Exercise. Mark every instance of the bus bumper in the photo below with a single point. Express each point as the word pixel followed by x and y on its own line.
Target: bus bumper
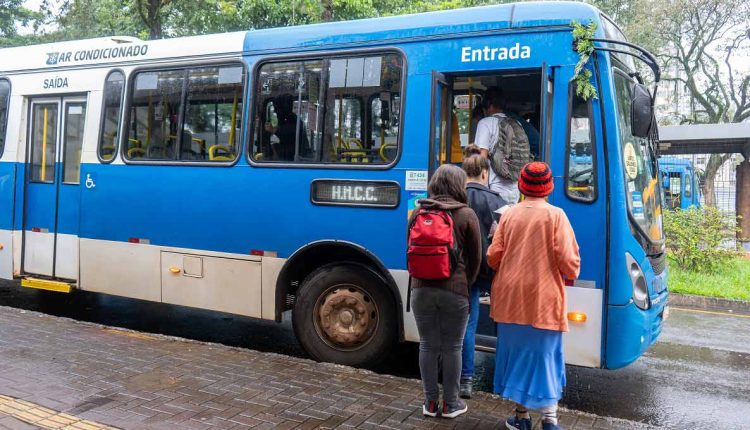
pixel 631 330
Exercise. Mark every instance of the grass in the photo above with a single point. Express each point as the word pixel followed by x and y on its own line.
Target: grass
pixel 731 282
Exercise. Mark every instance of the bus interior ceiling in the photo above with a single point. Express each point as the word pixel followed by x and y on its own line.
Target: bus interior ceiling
pixel 521 92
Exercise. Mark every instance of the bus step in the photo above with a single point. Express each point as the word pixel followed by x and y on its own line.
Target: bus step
pixel 47 284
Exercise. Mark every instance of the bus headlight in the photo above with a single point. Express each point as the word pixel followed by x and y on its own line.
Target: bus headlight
pixel 638 280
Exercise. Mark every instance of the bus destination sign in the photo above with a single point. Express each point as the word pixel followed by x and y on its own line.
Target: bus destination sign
pixel 355 193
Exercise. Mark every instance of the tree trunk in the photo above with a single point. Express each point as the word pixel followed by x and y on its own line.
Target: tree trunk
pixel 712 168
pixel 151 16
pixel 327 14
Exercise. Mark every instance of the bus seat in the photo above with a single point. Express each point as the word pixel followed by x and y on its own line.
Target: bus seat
pixel 136 152
pixel 107 151
pixel 225 153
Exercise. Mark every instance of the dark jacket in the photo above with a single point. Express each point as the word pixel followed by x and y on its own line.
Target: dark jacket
pixel 484 202
pixel 468 242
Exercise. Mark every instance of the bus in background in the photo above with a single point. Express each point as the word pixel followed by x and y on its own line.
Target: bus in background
pixel 679 182
pixel 268 171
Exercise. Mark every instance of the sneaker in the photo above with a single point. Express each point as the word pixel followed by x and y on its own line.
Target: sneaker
pixel 430 408
pixel 515 423
pixel 550 426
pixel 454 411
pixel 465 389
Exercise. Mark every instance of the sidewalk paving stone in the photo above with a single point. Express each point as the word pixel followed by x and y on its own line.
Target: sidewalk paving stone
pixel 132 380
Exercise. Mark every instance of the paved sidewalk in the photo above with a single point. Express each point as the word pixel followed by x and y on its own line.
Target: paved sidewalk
pixel 101 376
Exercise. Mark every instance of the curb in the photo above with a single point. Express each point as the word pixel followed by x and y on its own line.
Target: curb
pixel 709 303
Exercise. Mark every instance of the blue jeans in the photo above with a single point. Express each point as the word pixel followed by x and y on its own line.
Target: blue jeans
pixel 467 354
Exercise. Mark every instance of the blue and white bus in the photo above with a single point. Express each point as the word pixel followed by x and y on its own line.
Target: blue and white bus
pixel 680 183
pixel 268 171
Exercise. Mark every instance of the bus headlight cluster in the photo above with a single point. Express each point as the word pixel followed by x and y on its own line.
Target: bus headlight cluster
pixel 638 280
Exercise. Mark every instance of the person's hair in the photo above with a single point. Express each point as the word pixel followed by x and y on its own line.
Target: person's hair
pixel 448 180
pixel 478 111
pixel 493 97
pixel 284 104
pixel 474 162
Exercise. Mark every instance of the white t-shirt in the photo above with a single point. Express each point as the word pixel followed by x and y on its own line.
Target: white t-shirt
pixel 486 138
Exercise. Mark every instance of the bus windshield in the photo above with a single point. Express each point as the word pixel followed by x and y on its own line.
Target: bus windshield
pixel 641 175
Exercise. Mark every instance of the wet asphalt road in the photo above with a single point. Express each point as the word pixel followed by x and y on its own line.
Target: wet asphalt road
pixel 697 376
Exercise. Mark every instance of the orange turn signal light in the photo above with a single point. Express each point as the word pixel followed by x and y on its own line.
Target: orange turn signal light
pixel 578 317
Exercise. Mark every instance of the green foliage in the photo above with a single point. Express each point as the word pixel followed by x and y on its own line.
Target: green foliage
pixel 584 46
pixel 730 280
pixel 695 238
pixel 79 19
pixel 12 12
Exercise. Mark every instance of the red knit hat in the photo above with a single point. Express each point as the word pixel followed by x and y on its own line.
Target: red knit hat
pixel 536 180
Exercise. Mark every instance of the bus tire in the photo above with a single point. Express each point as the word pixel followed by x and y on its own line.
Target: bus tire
pixel 344 314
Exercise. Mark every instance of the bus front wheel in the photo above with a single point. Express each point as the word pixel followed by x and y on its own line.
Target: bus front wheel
pixel 344 314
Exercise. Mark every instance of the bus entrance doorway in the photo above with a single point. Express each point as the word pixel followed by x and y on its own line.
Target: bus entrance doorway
pixel 457 110
pixel 52 187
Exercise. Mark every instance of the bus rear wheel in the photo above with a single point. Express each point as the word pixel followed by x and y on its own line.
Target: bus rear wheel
pixel 344 314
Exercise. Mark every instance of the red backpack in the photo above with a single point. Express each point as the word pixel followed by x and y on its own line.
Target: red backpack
pixel 431 252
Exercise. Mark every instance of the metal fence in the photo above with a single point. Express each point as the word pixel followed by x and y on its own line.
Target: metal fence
pixel 725 185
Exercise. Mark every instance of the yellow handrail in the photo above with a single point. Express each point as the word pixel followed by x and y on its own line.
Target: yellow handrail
pixel 471 107
pixel 44 146
pixel 234 120
pixel 382 151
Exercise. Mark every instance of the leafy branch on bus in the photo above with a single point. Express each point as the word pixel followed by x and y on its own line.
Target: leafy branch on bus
pixel 584 46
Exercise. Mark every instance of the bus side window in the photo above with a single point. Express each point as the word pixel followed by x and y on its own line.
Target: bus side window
pixel 114 86
pixel 213 114
pixel 288 111
pixel 188 114
pixel 4 103
pixel 154 111
pixel 345 110
pixel 580 182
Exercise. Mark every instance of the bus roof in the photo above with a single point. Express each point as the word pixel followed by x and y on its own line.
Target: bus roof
pixel 423 25
pixel 670 162
pixel 110 51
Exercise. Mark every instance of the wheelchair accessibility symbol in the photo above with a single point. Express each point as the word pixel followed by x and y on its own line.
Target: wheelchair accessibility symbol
pixel 89 182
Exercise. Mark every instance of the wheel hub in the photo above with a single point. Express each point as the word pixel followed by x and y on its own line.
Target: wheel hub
pixel 347 317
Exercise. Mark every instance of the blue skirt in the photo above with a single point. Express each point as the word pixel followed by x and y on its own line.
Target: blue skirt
pixel 529 365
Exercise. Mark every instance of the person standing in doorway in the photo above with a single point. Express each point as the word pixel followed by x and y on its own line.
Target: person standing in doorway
pixel 440 285
pixel 533 251
pixel 504 142
pixel 484 202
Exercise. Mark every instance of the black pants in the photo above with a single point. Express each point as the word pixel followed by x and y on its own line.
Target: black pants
pixel 441 320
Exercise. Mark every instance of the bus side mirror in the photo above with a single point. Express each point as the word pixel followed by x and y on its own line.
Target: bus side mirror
pixel 641 111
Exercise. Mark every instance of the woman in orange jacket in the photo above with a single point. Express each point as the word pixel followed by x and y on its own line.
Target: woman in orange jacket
pixel 533 251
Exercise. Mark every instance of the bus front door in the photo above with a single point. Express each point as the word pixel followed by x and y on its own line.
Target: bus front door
pixel 52 188
pixel 440 116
